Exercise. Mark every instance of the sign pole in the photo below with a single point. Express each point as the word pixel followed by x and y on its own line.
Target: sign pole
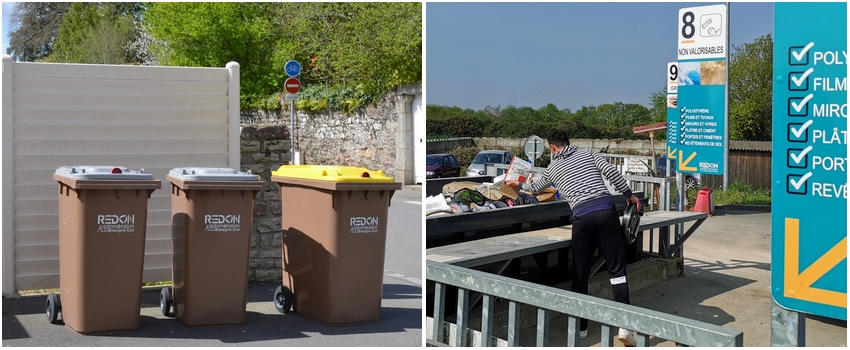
pixel 292 85
pixel 726 124
pixel 292 133
pixel 787 328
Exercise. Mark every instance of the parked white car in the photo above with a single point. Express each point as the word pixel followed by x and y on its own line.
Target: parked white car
pixel 488 157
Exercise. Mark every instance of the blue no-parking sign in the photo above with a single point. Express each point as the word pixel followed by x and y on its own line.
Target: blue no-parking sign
pixel 809 196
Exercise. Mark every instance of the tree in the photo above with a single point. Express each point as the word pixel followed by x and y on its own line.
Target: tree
pixel 751 90
pixel 351 53
pixel 35 25
pixel 211 34
pixel 94 33
pixel 355 52
pixel 658 111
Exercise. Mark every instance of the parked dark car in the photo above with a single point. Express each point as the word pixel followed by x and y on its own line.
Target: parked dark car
pixel 691 180
pixel 441 165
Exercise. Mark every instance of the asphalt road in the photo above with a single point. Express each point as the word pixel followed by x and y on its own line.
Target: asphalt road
pixel 25 323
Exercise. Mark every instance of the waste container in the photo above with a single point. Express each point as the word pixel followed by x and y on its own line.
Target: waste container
pixel 102 218
pixel 334 237
pixel 211 215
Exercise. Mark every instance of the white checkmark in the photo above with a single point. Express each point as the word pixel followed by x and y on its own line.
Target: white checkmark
pixel 802 77
pixel 802 180
pixel 798 107
pixel 799 56
pixel 799 132
pixel 799 157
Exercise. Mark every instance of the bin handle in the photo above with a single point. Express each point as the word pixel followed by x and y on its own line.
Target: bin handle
pixel 365 174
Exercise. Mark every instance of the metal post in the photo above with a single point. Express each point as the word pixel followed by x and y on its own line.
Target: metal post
pixel 726 112
pixel 291 132
pixel 787 328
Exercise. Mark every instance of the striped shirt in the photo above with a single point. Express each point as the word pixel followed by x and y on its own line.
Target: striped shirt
pixel 577 173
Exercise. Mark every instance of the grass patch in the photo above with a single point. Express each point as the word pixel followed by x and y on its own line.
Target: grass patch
pixel 740 193
pixel 737 193
pixel 56 290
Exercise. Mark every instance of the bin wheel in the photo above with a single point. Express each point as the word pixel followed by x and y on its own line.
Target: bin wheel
pixel 53 308
pixel 283 299
pixel 165 301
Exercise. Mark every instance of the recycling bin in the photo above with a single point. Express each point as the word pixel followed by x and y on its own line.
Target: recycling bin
pixel 211 215
pixel 102 218
pixel 334 238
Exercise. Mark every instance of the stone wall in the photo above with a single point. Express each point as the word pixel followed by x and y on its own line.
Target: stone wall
pixel 264 149
pixel 366 138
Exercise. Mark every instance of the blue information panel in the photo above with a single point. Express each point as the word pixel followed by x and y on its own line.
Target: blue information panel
pixel 809 212
pixel 673 128
pixel 701 107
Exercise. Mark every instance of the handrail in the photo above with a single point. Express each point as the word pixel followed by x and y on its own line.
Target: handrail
pixel 637 183
pixel 547 299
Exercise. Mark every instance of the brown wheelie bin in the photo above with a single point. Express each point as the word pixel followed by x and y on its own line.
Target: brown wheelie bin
pixel 102 218
pixel 334 238
pixel 211 215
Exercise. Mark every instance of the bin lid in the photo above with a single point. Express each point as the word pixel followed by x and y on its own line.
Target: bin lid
pixel 97 172
pixel 211 174
pixel 331 173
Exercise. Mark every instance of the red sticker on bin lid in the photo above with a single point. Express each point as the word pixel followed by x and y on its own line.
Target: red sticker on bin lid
pixel 116 170
pixel 365 174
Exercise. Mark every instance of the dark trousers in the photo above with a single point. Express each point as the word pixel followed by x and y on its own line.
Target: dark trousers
pixel 599 229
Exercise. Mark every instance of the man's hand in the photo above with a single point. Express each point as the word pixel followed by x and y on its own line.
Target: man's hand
pixel 512 183
pixel 634 200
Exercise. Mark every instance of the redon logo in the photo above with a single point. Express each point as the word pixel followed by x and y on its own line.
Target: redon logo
pixel 364 224
pixel 222 223
pixel 364 221
pixel 116 223
pixel 222 219
pixel 115 219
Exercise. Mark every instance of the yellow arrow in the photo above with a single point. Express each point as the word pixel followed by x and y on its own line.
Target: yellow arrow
pixel 799 285
pixel 683 165
pixel 671 154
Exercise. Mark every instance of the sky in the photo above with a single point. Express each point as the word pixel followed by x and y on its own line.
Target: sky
pixel 568 54
pixel 7 11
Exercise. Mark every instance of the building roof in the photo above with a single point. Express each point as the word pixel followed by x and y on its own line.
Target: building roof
pixel 750 145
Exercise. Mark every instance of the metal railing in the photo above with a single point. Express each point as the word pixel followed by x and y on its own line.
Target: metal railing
pixel 646 184
pixel 548 300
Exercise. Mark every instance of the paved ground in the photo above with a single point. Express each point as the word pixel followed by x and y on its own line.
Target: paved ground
pixel 726 283
pixel 25 323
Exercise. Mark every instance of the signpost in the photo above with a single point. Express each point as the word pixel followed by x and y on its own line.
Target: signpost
pixel 672 115
pixel 701 86
pixel 292 85
pixel 809 212
pixel 534 148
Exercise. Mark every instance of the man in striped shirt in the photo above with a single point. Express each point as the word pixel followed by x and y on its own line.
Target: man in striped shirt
pixel 578 175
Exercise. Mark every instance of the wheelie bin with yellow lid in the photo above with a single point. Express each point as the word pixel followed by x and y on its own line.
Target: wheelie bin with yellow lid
pixel 334 222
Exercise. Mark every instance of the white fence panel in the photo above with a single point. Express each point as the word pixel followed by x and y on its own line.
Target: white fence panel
pixel 155 118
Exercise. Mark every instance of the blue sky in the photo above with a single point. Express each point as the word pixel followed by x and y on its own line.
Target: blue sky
pixel 7 11
pixel 569 54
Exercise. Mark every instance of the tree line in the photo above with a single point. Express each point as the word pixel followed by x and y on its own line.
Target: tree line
pixel 750 109
pixel 351 53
